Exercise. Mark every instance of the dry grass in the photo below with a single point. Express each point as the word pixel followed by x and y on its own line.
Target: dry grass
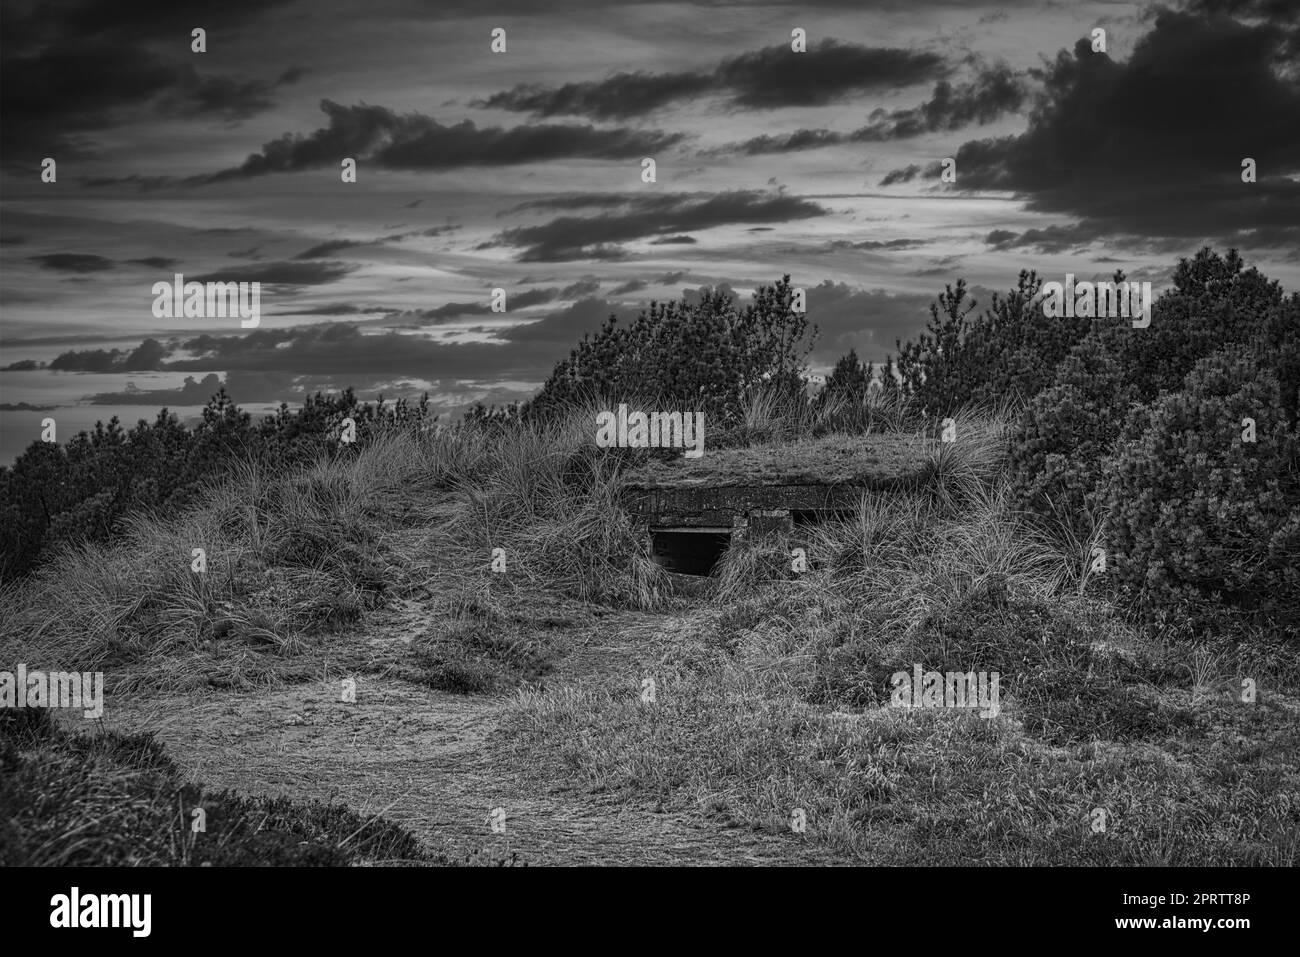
pixel 778 698
pixel 772 697
pixel 288 560
pixel 891 787
pixel 770 415
pixel 551 503
pixel 109 799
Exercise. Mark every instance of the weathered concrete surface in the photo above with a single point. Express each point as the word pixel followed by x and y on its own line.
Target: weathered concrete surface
pixel 719 506
pixel 725 486
pixel 868 460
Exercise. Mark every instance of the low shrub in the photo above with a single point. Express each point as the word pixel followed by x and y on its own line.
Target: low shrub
pixel 1198 510
pixel 1059 443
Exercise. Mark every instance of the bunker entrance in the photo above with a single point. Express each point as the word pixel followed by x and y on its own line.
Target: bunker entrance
pixel 689 551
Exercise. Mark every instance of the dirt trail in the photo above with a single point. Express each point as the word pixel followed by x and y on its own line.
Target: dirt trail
pixel 427 759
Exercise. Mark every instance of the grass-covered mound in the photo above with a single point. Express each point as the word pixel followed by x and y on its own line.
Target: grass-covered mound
pixel 779 699
pixel 107 799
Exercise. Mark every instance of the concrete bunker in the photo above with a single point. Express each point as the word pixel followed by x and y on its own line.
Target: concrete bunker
pixel 690 511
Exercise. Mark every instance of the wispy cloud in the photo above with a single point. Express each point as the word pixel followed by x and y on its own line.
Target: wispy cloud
pixel 653 216
pixel 763 79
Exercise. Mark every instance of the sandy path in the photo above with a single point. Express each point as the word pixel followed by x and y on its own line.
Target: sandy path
pixel 430 760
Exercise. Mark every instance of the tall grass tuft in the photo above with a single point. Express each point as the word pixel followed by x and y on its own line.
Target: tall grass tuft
pixel 551 501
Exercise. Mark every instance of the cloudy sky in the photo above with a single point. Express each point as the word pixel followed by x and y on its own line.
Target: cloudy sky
pixel 523 170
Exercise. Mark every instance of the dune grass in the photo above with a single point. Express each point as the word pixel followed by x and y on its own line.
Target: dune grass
pixel 283 562
pixel 775 697
pixel 108 799
pixel 293 561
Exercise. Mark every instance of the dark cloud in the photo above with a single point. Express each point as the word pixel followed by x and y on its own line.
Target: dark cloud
pixel 532 297
pixel 789 142
pixel 674 241
pixel 580 289
pixel 280 273
pixel 762 79
pixel 450 310
pixel 1051 239
pixel 562 330
pixel 904 175
pixel 221 348
pixel 839 245
pixel 89 360
pixel 73 262
pixel 341 349
pixel 65 340
pixel 775 76
pixel 576 237
pixel 378 136
pixel 146 357
pixel 191 393
pixel 242 387
pixel 263 386
pixel 223 97
pixel 70 69
pixel 632 285
pixel 155 262
pixel 336 309
pixel 329 248
pixel 135 179
pixel 872 244
pixel 994 92
pixel 450 9
pixel 156 19
pixel 604 252
pixel 1153 146
pixel 621 96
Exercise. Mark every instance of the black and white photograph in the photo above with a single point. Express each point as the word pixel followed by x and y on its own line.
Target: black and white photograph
pixel 650 434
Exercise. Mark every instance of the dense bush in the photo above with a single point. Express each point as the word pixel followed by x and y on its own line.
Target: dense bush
pixel 1214 302
pixel 1198 512
pixel 82 490
pixel 1058 445
pixel 1008 350
pixel 700 353
pixel 1012 348
pixel 1142 427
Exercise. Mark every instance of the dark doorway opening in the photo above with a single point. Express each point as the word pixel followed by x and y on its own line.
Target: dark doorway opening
pixel 689 551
